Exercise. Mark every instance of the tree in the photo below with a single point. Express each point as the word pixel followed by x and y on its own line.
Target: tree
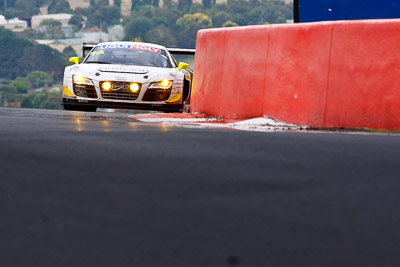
pixel 8 89
pixel 21 84
pixel 160 35
pixel 76 22
pixel 201 19
pixel 53 101
pixel 187 37
pixel 184 4
pixel 103 16
pixel 26 8
pixel 11 52
pixel 230 23
pixel 9 13
pixel 4 4
pixel 39 79
pixel 59 6
pixel 220 17
pixel 69 52
pixel 137 27
pixel 206 3
pixel 50 22
pixel 53 29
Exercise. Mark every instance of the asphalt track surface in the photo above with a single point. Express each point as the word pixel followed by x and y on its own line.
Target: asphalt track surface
pixel 95 189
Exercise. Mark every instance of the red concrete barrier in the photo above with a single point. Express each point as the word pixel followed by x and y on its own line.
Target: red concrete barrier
pixel 209 78
pixel 297 73
pixel 242 96
pixel 364 81
pixel 343 74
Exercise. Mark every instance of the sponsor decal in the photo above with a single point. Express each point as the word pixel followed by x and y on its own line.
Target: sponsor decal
pixel 122 69
pixel 121 79
pixel 130 46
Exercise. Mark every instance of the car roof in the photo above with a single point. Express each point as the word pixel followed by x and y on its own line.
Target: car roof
pixel 134 43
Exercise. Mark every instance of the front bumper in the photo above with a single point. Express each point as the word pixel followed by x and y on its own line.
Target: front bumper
pixel 122 105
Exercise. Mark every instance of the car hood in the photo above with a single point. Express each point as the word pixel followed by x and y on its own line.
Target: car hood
pixel 121 72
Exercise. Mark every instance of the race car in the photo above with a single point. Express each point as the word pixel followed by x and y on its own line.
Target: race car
pixel 129 75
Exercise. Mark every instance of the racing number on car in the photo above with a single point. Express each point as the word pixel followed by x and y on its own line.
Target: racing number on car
pixel 101 52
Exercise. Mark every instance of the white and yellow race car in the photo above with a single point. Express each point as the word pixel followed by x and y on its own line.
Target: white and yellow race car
pixel 127 75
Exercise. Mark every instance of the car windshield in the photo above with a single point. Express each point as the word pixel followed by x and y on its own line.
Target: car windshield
pixel 129 54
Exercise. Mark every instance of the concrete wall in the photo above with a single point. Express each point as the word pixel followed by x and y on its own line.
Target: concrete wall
pixel 328 74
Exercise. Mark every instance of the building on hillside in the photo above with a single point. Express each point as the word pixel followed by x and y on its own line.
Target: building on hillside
pixel 126 5
pixel 62 17
pixel 78 3
pixel 13 24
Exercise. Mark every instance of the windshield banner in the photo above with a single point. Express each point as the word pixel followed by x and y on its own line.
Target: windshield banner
pixel 130 46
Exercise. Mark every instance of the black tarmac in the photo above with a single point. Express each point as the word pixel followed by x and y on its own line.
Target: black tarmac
pixel 96 189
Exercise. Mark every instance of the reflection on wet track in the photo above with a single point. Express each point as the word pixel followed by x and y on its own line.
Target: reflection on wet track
pixel 85 121
pixel 98 189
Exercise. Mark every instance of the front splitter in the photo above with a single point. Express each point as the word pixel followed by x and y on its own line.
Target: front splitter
pixel 123 105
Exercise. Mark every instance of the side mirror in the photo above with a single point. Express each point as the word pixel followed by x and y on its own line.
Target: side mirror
pixel 182 66
pixel 74 60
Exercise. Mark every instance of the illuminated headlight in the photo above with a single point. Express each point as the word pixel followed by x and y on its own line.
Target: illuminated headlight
pixel 188 76
pixel 106 86
pixel 164 84
pixel 134 87
pixel 80 79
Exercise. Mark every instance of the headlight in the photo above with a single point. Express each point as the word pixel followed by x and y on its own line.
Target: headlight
pixel 134 87
pixel 106 86
pixel 188 76
pixel 164 84
pixel 80 79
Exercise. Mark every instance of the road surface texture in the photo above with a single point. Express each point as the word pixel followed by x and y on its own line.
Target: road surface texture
pixel 95 189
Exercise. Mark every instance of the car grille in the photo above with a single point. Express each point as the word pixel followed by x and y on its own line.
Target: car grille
pixel 85 90
pixel 119 90
pixel 157 95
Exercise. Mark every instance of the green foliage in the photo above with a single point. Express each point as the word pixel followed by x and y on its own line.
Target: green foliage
pixel 8 89
pixel 19 56
pixel 11 51
pixel 26 8
pixel 161 35
pixel 21 84
pixel 220 17
pixel 76 22
pixel 182 19
pixel 200 19
pixel 9 13
pixel 69 52
pixel 206 3
pixel 53 29
pixel 184 4
pixel 137 27
pixel 43 99
pixel 39 79
pixel 5 81
pixel 53 101
pixel 59 6
pixel 230 23
pixel 44 58
pixel 50 22
pixel 102 16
